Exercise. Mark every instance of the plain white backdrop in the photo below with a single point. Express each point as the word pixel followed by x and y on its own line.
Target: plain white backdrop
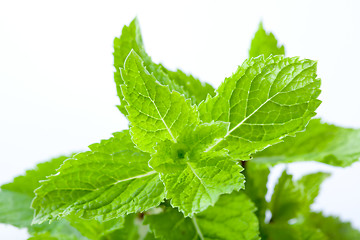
pixel 57 93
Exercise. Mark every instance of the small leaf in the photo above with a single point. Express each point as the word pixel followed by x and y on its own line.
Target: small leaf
pixel 131 39
pixel 232 217
pixel 194 178
pixel 196 89
pixel 291 198
pixel 265 44
pixel 332 227
pixel 155 113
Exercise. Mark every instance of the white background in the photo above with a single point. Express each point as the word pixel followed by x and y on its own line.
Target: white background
pixel 56 77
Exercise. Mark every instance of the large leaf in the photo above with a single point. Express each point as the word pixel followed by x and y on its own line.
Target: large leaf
pixel 232 217
pixel 320 142
pixel 131 39
pixel 155 113
pixel 194 178
pixel 264 101
pixel 265 44
pixel 110 182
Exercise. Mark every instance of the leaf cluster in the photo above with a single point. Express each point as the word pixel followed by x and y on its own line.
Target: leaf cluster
pixel 179 171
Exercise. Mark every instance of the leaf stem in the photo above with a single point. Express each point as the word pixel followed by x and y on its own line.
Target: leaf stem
pixel 197 228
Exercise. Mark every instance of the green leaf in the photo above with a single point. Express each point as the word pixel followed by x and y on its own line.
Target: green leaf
pixel 16 197
pixel 128 232
pixel 194 178
pixel 256 176
pixel 320 142
pixel 197 90
pixel 264 101
pixel 114 229
pixel 27 183
pixel 310 185
pixel 96 229
pixel 265 43
pixel 292 198
pixel 232 217
pixel 333 228
pixel 15 201
pixel 110 182
pixel 155 113
pixel 43 236
pixel 15 209
pixel 131 39
pixel 283 231
pixel 61 230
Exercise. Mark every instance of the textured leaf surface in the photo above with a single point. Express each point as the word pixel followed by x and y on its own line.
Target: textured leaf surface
pixel 194 178
pixel 333 228
pixel 106 184
pixel 155 113
pixel 291 198
pixel 265 43
pixel 264 101
pixel 131 39
pixel 232 217
pixel 320 142
pixel 15 201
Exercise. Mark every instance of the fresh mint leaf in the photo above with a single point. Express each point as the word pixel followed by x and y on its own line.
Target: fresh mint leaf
pixel 265 44
pixel 198 90
pixel 282 231
pixel 231 217
pixel 291 198
pixel 194 177
pixel 320 142
pixel 16 197
pixel 15 201
pixel 130 231
pixel 107 184
pixel 61 230
pixel 96 229
pixel 27 183
pixel 155 113
pixel 264 101
pixel 256 176
pixel 15 209
pixel 131 39
pixel 332 227
pixel 114 229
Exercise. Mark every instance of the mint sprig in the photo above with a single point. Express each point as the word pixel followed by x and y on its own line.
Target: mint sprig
pixel 180 170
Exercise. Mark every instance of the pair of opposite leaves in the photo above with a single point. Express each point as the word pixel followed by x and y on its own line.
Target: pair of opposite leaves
pixel 192 149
